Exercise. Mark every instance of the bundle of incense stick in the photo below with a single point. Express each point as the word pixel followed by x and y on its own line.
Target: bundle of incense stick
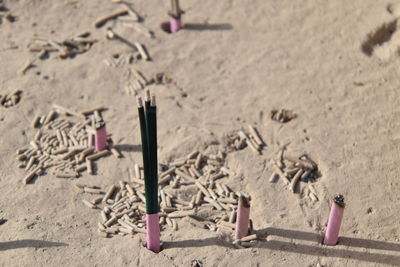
pixel 63 144
pixel 292 170
pixel 250 138
pixel 148 129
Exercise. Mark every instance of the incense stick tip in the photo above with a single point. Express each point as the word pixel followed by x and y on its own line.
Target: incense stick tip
pixel 147 96
pixel 139 102
pixel 153 101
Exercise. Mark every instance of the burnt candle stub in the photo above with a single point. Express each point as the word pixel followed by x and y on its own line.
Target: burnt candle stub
pixel 339 200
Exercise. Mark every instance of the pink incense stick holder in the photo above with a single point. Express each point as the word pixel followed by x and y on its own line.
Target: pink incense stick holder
pixel 242 219
pixel 334 222
pixel 100 139
pixel 175 24
pixel 153 233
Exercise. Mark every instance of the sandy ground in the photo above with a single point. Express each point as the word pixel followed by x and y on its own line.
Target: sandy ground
pixel 251 57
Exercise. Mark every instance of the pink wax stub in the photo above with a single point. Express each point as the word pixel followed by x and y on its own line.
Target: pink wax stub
pixel 100 137
pixel 242 219
pixel 175 24
pixel 334 221
pixel 153 232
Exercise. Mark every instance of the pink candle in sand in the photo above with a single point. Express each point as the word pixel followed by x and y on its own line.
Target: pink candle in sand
pixel 242 219
pixel 100 137
pixel 175 24
pixel 334 221
pixel 175 14
pixel 153 232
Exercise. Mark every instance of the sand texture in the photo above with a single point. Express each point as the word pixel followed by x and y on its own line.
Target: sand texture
pixel 334 64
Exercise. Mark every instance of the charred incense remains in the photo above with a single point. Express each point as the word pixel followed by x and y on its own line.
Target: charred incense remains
pixel 246 138
pixel 11 99
pixel 192 188
pixel 62 145
pixel 282 115
pixel 292 170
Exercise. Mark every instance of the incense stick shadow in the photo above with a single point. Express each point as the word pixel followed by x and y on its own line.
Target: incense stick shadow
pixel 129 148
pixel 29 243
pixel 320 250
pixel 207 27
pixel 196 243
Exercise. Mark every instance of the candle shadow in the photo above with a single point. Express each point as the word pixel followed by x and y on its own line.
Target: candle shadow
pixel 196 243
pixel 327 251
pixel 207 27
pixel 345 241
pixel 25 243
pixel 315 250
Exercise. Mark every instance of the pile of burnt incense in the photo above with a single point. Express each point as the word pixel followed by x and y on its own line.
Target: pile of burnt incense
pixel 282 115
pixel 68 48
pixel 11 99
pixel 191 188
pixel 242 139
pixel 63 144
pixel 137 82
pixel 123 209
pixel 293 170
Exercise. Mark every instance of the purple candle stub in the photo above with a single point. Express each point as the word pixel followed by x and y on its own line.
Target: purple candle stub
pixel 153 232
pixel 175 24
pixel 334 221
pixel 242 220
pixel 100 138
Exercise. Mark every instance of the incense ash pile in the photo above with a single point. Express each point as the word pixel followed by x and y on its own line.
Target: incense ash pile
pixel 292 170
pixel 11 99
pixel 138 82
pixel 193 187
pixel 63 144
pixel 282 115
pixel 241 140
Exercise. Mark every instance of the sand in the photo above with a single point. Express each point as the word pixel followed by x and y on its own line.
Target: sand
pixel 235 62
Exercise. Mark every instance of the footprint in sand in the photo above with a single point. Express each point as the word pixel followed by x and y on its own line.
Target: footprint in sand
pixel 384 41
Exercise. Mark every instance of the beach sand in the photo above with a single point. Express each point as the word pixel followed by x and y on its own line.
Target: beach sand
pixel 332 62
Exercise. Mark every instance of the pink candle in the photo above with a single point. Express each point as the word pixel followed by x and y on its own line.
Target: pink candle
pixel 153 232
pixel 175 24
pixel 242 219
pixel 334 221
pixel 100 137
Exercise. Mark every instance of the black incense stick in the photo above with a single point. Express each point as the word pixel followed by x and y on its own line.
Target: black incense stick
pixel 175 11
pixel 148 127
pixel 153 165
pixel 143 133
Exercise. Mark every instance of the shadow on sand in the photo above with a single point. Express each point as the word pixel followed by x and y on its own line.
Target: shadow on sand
pixel 29 243
pixel 342 250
